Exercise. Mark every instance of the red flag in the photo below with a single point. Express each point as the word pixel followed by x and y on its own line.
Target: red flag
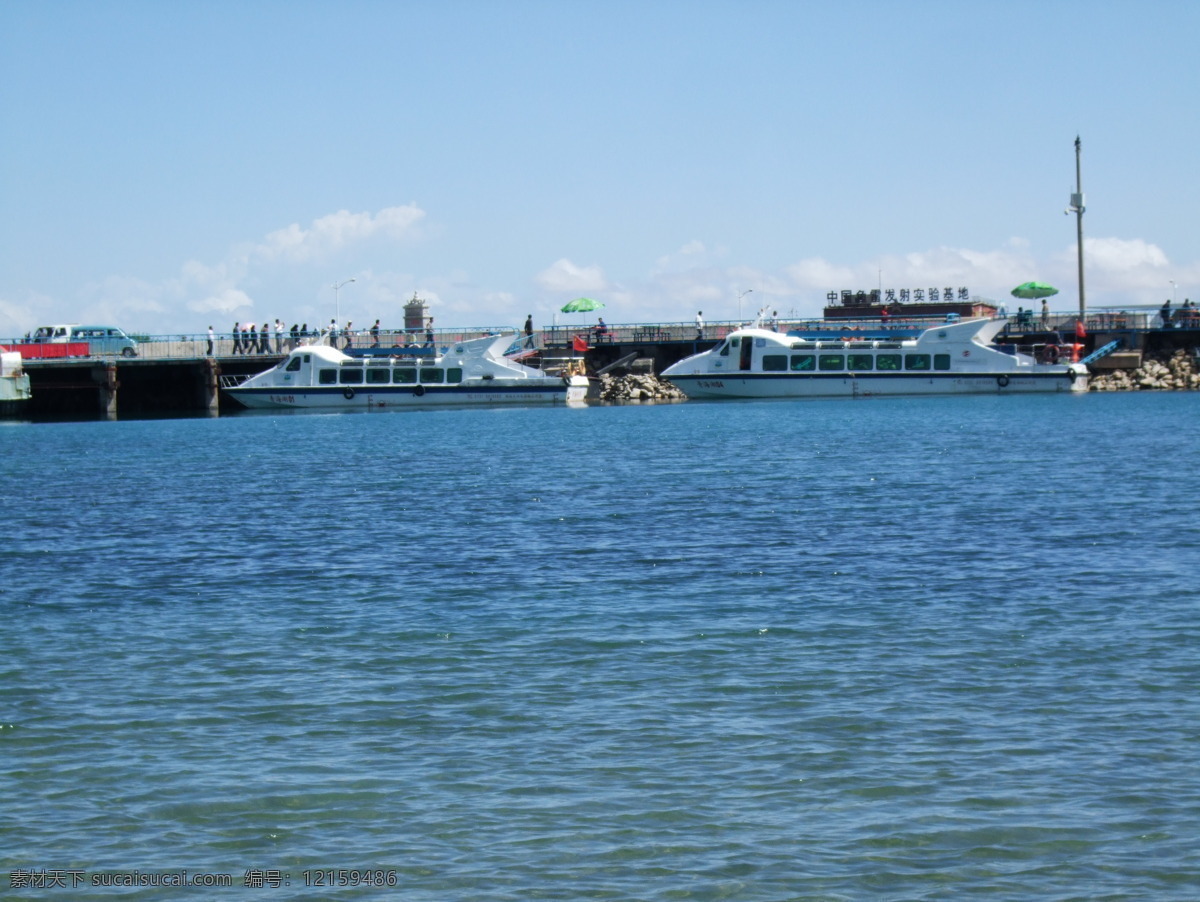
pixel 580 344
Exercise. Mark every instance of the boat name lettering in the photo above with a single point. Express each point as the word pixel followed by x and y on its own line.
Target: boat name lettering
pixel 710 383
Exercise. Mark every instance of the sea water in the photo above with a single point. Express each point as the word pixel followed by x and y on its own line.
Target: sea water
pixel 895 649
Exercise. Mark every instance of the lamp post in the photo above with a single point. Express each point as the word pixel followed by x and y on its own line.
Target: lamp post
pixel 1077 207
pixel 337 307
pixel 741 295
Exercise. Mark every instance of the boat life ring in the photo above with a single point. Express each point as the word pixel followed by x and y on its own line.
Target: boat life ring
pixel 349 393
pixel 1002 381
pixel 1050 353
pixel 419 390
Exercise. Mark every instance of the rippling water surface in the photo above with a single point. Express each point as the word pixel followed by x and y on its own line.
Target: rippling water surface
pixel 912 649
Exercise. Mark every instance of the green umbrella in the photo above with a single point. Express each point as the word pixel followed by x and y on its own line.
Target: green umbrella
pixel 1034 290
pixel 581 305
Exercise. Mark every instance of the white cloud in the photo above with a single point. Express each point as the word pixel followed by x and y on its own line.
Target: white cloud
pixel 225 301
pixel 691 255
pixel 1119 255
pixel 269 275
pixel 294 244
pixel 815 274
pixel 565 276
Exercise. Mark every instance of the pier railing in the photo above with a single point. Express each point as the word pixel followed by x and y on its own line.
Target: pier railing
pixel 562 336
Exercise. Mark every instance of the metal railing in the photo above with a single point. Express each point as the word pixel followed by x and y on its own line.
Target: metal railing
pixel 194 346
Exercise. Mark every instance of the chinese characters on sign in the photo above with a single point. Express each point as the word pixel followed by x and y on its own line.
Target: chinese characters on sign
pixel 902 296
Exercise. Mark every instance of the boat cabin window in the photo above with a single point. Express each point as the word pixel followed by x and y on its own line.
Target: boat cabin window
pixel 887 361
pixel 404 374
pixel 432 374
pixel 916 361
pixel 860 361
pixel 377 377
pixel 294 365
pixel 725 349
pixel 804 362
pixel 454 374
pixel 351 377
pixel 941 361
pixel 832 361
pixel 327 377
pixel 774 363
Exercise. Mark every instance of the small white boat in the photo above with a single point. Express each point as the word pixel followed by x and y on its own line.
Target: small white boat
pixel 951 358
pixel 466 372
pixel 15 390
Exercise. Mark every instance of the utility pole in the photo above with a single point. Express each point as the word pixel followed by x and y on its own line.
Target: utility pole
pixel 1077 207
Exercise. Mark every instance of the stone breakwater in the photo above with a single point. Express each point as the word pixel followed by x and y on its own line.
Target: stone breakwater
pixel 1159 372
pixel 638 387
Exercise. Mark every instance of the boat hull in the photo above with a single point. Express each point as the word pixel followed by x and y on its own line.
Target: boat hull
pixel 338 397
pixel 15 389
pixel 843 385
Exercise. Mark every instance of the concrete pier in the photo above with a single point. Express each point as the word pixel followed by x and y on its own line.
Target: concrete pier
pixel 87 387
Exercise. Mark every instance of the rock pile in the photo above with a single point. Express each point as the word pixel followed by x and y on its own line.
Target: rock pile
pixel 638 387
pixel 1160 372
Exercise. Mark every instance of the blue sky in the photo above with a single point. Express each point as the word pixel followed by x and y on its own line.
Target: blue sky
pixel 164 166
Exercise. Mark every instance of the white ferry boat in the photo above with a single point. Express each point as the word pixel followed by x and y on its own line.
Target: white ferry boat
pixel 951 358
pixel 15 391
pixel 466 372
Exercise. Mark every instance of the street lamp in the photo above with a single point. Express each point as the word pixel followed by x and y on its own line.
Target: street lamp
pixel 337 307
pixel 740 296
pixel 1077 207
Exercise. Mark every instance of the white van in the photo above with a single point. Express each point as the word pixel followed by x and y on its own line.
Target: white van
pixel 101 340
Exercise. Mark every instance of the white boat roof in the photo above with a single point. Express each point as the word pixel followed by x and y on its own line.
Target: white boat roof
pixel 980 331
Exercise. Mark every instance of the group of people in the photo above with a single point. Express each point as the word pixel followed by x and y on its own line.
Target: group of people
pixel 248 340
pixel 1186 317
pixel 275 337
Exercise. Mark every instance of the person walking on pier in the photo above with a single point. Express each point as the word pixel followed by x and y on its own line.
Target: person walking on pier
pixel 278 335
pixel 249 339
pixel 1165 313
pixel 1045 314
pixel 349 333
pixel 237 338
pixel 699 325
pixel 529 324
pixel 375 335
pixel 211 336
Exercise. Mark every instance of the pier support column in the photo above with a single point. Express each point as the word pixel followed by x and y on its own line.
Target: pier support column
pixel 106 378
pixel 210 385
